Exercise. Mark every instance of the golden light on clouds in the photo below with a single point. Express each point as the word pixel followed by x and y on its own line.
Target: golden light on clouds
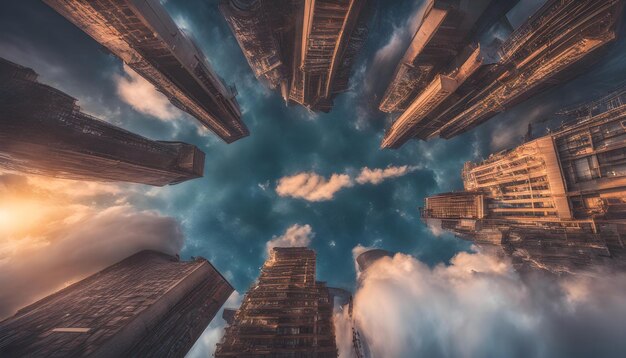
pixel 55 231
pixel 32 207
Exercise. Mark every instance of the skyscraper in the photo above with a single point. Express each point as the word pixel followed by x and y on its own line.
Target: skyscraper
pixel 556 202
pixel 304 49
pixel 43 131
pixel 144 36
pixel 470 60
pixel 367 258
pixel 286 314
pixel 148 305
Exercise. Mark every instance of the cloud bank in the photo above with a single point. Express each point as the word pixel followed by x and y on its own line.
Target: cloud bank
pixel 52 238
pixel 311 186
pixel 295 236
pixel 143 97
pixel 479 307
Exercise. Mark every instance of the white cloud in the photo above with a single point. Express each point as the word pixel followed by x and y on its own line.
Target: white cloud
pixel 478 306
pixel 434 226
pixel 82 244
pixel 53 235
pixel 143 97
pixel 377 176
pixel 295 236
pixel 312 187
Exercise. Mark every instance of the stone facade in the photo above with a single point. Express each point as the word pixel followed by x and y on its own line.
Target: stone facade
pixel 556 202
pixel 143 35
pixel 43 131
pixel 286 314
pixel 147 305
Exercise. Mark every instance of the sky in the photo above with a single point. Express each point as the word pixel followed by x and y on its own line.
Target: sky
pixel 300 178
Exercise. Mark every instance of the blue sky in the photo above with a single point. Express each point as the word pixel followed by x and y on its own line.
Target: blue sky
pixel 230 214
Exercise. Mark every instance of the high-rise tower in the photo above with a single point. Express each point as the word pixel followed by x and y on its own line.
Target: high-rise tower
pixel 287 313
pixel 367 258
pixel 303 48
pixel 558 201
pixel 144 36
pixel 148 305
pixel 470 60
pixel 43 131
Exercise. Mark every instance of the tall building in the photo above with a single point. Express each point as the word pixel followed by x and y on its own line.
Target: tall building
pixel 470 60
pixel 286 314
pixel 148 305
pixel 303 48
pixel 43 131
pixel 144 36
pixel 367 258
pixel 557 202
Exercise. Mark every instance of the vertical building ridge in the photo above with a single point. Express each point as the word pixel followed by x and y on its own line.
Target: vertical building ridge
pixel 287 313
pixel 488 64
pixel 149 304
pixel 557 202
pixel 144 36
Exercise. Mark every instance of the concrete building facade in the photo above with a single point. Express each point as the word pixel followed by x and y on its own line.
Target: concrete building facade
pixel 43 131
pixel 144 36
pixel 469 60
pixel 286 314
pixel 303 48
pixel 558 200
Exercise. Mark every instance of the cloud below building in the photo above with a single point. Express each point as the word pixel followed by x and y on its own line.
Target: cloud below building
pixel 478 306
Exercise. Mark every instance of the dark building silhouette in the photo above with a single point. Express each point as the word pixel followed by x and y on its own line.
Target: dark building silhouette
pixel 286 314
pixel 228 315
pixel 148 305
pixel 557 202
pixel 367 258
pixel 469 60
pixel 43 131
pixel 144 36
pixel 303 48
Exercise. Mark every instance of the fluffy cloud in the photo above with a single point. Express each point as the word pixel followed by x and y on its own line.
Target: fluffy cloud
pixel 295 236
pixel 314 187
pixel 143 97
pixel 479 307
pixel 53 236
pixel 377 176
